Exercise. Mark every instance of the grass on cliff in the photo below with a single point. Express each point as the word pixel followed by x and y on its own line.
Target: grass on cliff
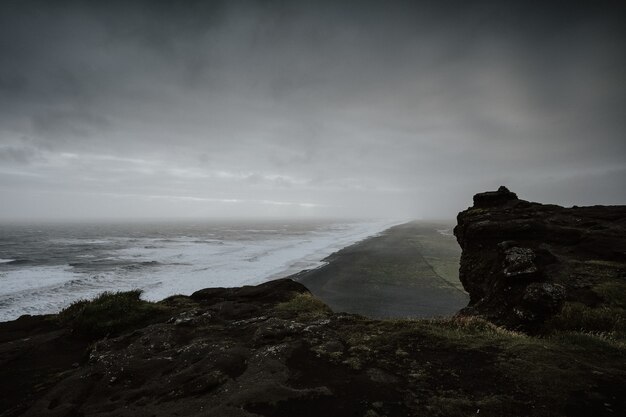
pixel 607 320
pixel 576 316
pixel 466 364
pixel 304 305
pixel 456 366
pixel 613 293
pixel 111 313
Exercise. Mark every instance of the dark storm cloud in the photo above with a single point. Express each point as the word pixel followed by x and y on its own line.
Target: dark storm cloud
pixel 336 108
pixel 17 155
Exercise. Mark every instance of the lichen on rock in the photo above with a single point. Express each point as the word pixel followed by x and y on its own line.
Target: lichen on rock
pixel 519 262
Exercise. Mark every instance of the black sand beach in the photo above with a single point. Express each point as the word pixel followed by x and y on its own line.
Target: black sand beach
pixel 410 270
pixel 274 350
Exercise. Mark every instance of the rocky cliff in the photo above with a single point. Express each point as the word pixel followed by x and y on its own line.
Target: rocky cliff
pixel 523 262
pixel 275 350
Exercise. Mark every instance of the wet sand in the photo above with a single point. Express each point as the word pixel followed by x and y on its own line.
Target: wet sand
pixel 409 270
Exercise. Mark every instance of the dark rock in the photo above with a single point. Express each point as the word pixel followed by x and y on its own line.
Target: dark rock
pixel 543 297
pixel 270 350
pixel 494 198
pixel 519 262
pixel 268 292
pixel 509 244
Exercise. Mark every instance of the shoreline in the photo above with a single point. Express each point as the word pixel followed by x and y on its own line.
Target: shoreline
pixel 159 270
pixel 321 255
pixel 373 298
pixel 275 350
pixel 408 270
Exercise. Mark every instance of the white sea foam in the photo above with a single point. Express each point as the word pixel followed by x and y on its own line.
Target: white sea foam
pixel 173 265
pixel 4 261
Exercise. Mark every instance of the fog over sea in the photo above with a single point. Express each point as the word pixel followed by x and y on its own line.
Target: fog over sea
pixel 44 267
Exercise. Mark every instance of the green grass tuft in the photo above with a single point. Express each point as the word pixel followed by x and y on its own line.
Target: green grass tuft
pixel 472 330
pixel 110 313
pixel 613 293
pixel 304 305
pixel 579 317
pixel 590 341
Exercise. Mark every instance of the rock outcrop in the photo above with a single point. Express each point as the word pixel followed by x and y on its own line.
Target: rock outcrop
pixel 522 261
pixel 274 350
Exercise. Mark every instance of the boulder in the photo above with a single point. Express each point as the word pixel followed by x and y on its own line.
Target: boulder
pixel 519 262
pixel 494 198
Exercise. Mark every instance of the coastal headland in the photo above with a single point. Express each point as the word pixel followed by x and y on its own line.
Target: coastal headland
pixel 544 333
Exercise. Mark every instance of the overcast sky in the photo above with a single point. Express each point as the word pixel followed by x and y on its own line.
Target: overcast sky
pixel 307 109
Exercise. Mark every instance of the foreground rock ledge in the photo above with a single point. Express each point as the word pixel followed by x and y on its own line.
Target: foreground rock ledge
pixel 274 350
pixel 522 261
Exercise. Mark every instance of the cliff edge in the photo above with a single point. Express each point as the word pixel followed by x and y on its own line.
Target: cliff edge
pixel 275 350
pixel 530 266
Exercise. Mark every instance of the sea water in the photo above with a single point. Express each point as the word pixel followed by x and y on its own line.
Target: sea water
pixel 45 267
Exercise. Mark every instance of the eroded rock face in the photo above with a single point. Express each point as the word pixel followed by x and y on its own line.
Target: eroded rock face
pixel 521 260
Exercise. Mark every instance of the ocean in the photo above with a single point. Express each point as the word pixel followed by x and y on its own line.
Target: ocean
pixel 45 267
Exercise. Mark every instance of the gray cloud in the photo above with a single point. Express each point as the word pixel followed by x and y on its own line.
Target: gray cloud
pixel 17 155
pixel 349 108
